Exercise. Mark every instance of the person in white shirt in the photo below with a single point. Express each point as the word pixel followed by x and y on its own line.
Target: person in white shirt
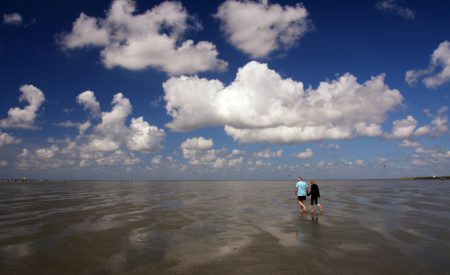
pixel 301 189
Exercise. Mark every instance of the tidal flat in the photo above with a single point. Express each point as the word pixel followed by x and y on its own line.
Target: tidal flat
pixel 224 227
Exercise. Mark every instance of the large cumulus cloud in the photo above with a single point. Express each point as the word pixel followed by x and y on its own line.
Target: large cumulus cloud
pixel 259 28
pixel 24 118
pixel 151 39
pixel 261 106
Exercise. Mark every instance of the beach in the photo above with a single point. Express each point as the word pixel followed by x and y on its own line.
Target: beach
pixel 224 227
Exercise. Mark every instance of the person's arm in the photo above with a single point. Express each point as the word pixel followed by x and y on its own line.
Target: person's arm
pixel 295 191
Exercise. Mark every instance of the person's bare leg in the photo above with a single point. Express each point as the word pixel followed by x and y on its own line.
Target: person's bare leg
pixel 320 207
pixel 312 208
pixel 302 206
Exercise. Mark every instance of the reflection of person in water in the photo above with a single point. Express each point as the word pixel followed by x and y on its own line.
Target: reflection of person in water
pixel 315 195
pixel 315 218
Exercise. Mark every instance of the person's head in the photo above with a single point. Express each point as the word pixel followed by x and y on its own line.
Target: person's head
pixel 312 182
pixel 299 178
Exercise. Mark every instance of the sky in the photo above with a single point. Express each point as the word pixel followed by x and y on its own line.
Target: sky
pixel 229 89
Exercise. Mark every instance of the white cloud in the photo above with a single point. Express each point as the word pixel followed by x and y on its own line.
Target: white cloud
pixel 368 130
pixel 359 162
pixel 199 152
pixel 197 143
pixel 260 163
pixel 409 144
pixel 267 153
pixel 422 150
pixel 347 163
pixel 438 126
pixel 89 102
pixel 196 150
pixel 219 163
pixel 24 117
pixel 200 157
pixel 381 160
pixel 323 164
pixel 71 148
pixel 12 19
pixel 112 131
pixel 259 28
pixel 235 162
pixel 412 76
pixel 236 152
pixel 3 163
pixel 102 145
pixel 86 31
pixel 70 155
pixel 306 154
pixel 261 106
pixel 82 127
pixel 391 6
pixel 428 113
pixel 437 73
pixel 432 157
pixel 43 159
pixel 403 128
pixel 423 130
pixel 117 157
pixel 156 160
pixel 68 124
pixel 151 39
pixel 23 154
pixel 46 153
pixel 6 139
pixel 144 137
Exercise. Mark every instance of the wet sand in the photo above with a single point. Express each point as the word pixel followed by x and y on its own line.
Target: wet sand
pixel 224 227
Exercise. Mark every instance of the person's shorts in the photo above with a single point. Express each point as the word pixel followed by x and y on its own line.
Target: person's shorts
pixel 302 198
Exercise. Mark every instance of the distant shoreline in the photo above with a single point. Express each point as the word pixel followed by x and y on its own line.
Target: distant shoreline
pixel 125 180
pixel 427 178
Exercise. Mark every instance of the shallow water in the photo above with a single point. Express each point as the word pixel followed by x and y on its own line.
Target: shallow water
pixel 224 227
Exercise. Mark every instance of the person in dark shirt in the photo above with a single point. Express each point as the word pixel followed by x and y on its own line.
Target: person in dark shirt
pixel 315 195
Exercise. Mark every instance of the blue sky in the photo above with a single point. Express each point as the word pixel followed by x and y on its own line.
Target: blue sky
pixel 224 89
